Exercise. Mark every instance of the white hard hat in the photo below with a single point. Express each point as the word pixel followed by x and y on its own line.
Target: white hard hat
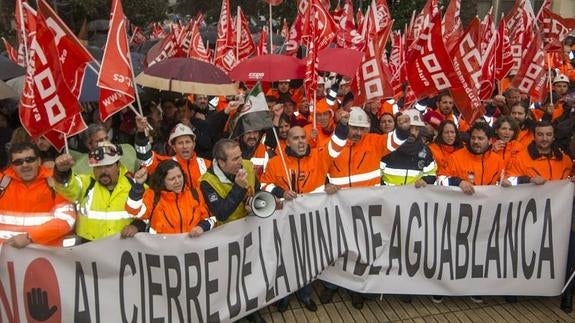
pixel 358 118
pixel 560 78
pixel 181 130
pixel 414 117
pixel 106 153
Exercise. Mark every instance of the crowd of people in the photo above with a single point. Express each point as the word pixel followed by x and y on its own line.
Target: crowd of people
pixel 188 176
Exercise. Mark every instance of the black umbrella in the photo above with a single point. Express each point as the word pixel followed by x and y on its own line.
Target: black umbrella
pixel 9 69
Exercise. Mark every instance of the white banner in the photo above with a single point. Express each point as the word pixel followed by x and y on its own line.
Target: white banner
pixel 432 240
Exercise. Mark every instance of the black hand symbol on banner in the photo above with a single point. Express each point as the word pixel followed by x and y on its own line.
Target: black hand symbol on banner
pixel 38 306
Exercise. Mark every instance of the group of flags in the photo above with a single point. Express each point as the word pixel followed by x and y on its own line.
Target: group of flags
pixel 56 61
pixel 442 55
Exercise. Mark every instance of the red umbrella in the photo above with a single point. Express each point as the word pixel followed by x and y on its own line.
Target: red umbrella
pixel 343 61
pixel 269 68
pixel 187 75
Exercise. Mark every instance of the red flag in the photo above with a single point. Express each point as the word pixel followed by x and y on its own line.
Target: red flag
pixel 381 15
pixel 397 63
pixel 422 20
pixel 262 47
pixel 359 19
pixel 545 5
pixel 115 79
pixel 519 24
pixel 292 43
pixel 225 56
pixel 185 40
pixel 467 63
pixel 10 51
pixel 138 37
pixel 429 64
pixel 157 31
pixel 431 70
pixel 312 61
pixel 372 80
pixel 503 54
pixel 25 17
pixel 532 75
pixel 46 101
pixel 325 25
pixel 71 127
pixel 74 57
pixel 451 26
pixel 246 46
pixel 555 27
pixel 167 48
pixel 338 12
pixel 347 36
pixel 285 30
pixel 197 48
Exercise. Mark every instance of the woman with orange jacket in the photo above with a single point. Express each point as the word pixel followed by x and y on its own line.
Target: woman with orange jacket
pixel 447 141
pixel 505 143
pixel 167 205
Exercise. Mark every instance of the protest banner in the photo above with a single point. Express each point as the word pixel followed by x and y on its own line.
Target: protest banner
pixel 432 240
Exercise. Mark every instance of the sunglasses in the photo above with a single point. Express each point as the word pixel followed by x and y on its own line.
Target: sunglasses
pixel 21 161
pixel 99 153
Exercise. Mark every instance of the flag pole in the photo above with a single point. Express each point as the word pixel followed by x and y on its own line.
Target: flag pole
pixel 549 77
pixel 271 30
pixel 238 32
pixel 23 29
pixel 284 163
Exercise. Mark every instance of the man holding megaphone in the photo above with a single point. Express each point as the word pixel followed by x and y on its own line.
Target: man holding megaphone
pixel 228 187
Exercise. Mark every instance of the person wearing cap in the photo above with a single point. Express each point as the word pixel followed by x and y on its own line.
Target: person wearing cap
pixel 182 140
pixel 356 157
pixel 561 84
pixel 412 162
pixel 358 153
pixel 100 196
pixel 30 210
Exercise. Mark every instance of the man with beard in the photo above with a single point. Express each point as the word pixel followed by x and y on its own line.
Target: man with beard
pixel 357 155
pixel 412 162
pixel 476 164
pixel 542 161
pixel 252 145
pixel 101 196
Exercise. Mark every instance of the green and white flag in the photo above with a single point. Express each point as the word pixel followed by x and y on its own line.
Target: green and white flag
pixel 254 115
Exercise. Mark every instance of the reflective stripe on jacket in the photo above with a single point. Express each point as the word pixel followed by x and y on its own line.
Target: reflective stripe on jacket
pixel 35 208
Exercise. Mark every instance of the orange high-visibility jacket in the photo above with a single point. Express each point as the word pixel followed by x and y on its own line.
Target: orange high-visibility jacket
pixel 482 169
pixel 441 153
pixel 508 153
pixel 306 174
pixel 531 163
pixel 35 209
pixel 193 168
pixel 173 212
pixel 358 164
